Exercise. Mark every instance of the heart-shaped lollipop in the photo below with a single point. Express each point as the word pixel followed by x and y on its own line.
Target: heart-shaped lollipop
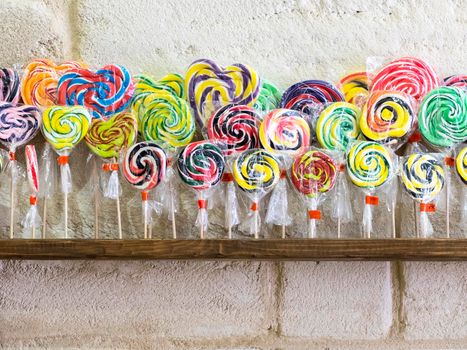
pixel 210 87
pixel 106 92
pixel 65 126
pixel 18 124
pixel 107 138
pixel 40 80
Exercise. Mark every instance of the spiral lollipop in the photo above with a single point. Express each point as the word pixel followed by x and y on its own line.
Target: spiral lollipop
pixel 269 97
pixel 39 83
pixel 369 164
pixel 18 124
pixel 459 81
pixel 461 164
pixel 9 85
pixel 210 87
pixel 236 127
pixel 409 75
pixel 285 130
pixel 309 96
pixel 387 115
pixel 442 116
pixel 166 119
pixel 338 126
pixel 355 87
pixel 106 92
pixel 146 85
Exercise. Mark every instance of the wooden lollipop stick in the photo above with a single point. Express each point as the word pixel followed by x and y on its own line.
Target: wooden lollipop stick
pixel 65 201
pixel 448 234
pixel 119 218
pixel 172 213
pixel 44 215
pixel 393 219
pixel 415 214
pixel 12 204
pixel 96 212
pixel 338 227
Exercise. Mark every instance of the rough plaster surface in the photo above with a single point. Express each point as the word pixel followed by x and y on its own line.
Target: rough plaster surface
pixel 219 305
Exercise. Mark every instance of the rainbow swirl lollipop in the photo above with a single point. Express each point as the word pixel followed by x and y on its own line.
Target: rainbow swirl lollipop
pixel 201 165
pixel 107 138
pixel 210 87
pixel 459 81
pixel 313 172
pixel 285 130
pixel 166 119
pixel 269 97
pixel 442 117
pixel 409 75
pixel 106 92
pixel 309 96
pixel 236 127
pixel 355 87
pixel 144 165
pixel 387 115
pixel 65 126
pixel 40 81
pixel 369 164
pixel 337 126
pixel 461 164
pixel 18 124
pixel 256 171
pixel 422 176
pixel 9 86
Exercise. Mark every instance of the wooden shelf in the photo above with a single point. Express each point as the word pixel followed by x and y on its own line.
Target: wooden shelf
pixel 288 249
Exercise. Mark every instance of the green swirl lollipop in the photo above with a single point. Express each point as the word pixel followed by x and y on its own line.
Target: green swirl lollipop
pixel 269 97
pixel 442 117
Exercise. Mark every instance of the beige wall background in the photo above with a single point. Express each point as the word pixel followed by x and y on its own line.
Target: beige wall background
pixel 230 305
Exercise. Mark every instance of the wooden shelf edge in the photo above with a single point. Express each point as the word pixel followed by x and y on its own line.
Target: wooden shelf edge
pixel 219 249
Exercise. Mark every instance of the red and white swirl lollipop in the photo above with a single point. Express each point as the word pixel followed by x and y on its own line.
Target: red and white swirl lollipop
pixel 32 219
pixel 410 75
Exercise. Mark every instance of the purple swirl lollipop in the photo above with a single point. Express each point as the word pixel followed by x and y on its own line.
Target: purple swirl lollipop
pixel 18 124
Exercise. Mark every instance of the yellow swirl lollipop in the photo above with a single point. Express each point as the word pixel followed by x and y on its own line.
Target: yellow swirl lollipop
pixel 65 126
pixel 461 164
pixel 107 138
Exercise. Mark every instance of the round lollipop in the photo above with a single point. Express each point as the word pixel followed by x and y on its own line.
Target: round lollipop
pixel 369 166
pixel 310 96
pixel 210 87
pixel 459 81
pixel 269 97
pixel 256 172
pixel 423 178
pixel 18 126
pixel 40 80
pixel 200 166
pixel 442 116
pixel 64 127
pixel 387 115
pixel 461 164
pixel 313 173
pixel 105 92
pixel 9 85
pixel 285 130
pixel 32 219
pixel 166 119
pixel 108 139
pixel 409 75
pixel 355 88
pixel 337 126
pixel 235 127
pixel 144 167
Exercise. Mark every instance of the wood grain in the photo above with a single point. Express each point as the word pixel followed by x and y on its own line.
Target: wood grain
pixel 289 249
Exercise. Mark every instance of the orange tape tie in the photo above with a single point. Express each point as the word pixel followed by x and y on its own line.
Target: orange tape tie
pixel 415 137
pixel 144 196
pixel 254 206
pixel 314 214
pixel 32 200
pixel 62 160
pixel 12 156
pixel 341 167
pixel 227 177
pixel 449 161
pixel 283 174
pixel 427 207
pixel 202 203
pixel 372 200
pixel 110 167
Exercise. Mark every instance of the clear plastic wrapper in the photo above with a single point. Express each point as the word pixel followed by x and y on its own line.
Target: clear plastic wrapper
pixel 32 219
pixel 423 177
pixel 355 87
pixel 256 172
pixel 10 85
pixel 370 166
pixel 313 175
pixel 210 86
pixel 457 80
pixel 269 97
pixel 341 201
pixel 200 166
pixel 409 75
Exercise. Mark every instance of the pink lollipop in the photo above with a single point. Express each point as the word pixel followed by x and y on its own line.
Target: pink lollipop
pixel 32 218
